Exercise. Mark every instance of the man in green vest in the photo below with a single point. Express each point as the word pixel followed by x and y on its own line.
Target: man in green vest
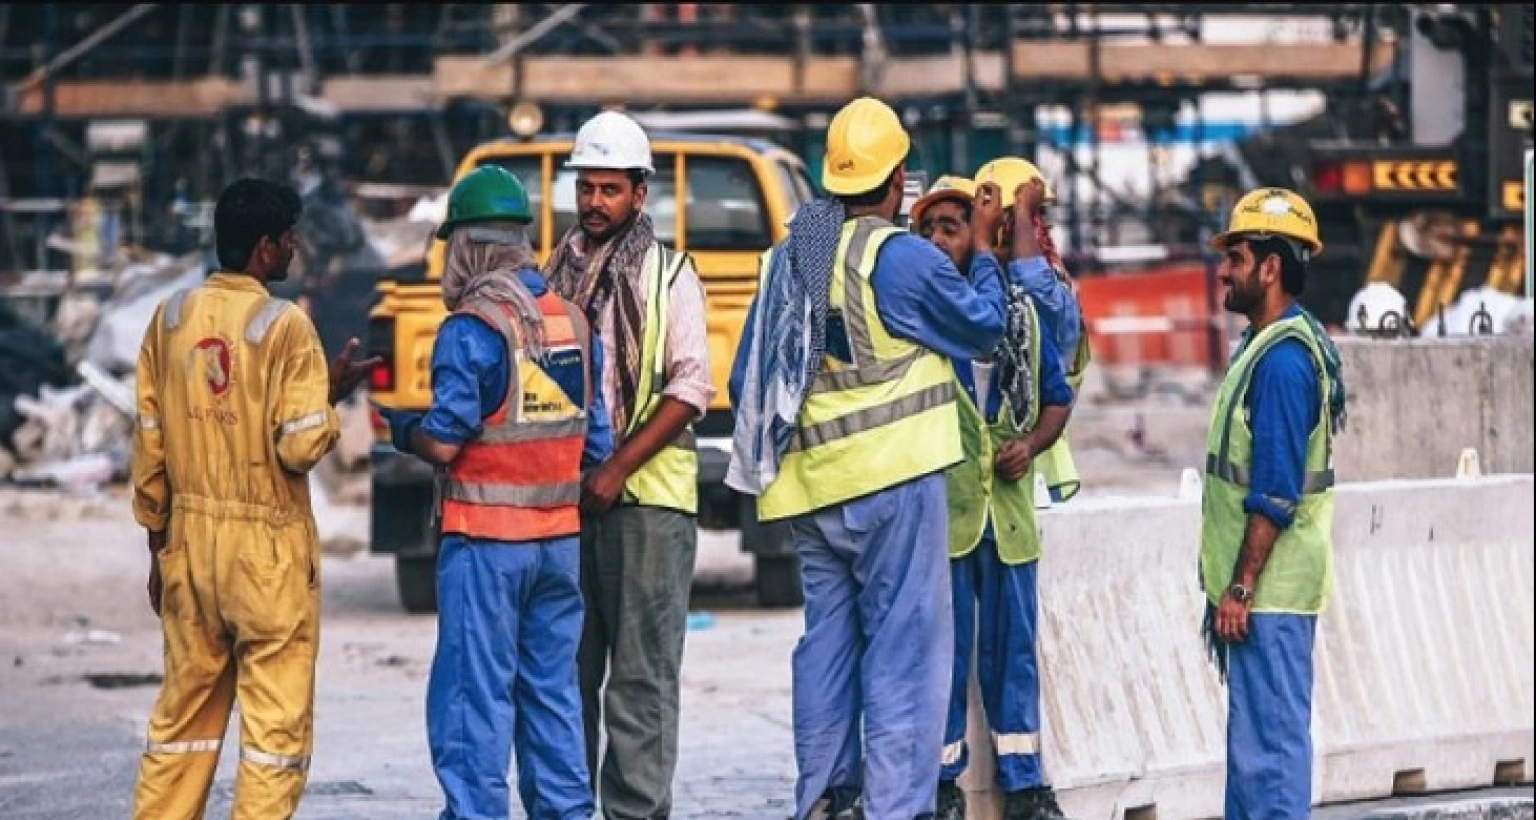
pixel 1266 545
pixel 846 419
pixel 1013 407
pixel 1044 277
pixel 639 531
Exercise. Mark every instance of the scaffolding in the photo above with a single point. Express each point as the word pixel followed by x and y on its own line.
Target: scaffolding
pixel 394 93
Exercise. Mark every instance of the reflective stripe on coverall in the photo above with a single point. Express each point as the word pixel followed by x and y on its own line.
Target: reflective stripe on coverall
pixel 1007 664
pixel 233 406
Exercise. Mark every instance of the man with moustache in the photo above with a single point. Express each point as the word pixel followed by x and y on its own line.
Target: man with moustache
pixel 235 407
pixel 639 530
pixel 1266 545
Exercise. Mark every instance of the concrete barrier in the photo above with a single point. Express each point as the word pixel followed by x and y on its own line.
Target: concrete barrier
pixel 1424 659
pixel 1414 404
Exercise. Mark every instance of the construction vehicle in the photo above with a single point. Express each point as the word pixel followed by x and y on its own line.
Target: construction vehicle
pixel 722 200
pixel 1427 195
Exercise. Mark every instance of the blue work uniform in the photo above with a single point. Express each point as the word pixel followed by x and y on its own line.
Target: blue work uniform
pixel 1060 314
pixel 509 616
pixel 1269 675
pixel 871 673
pixel 1002 598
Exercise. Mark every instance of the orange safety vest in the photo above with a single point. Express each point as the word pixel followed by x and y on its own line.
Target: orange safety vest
pixel 520 480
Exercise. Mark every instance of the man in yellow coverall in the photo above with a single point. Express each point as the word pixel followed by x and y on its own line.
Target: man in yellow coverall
pixel 235 407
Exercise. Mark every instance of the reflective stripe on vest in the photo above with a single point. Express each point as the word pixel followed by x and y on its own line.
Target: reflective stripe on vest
pixel 1298 576
pixel 884 418
pixel 520 479
pixel 670 479
pixel 974 492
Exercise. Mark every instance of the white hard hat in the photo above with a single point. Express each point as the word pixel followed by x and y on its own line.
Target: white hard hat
pixel 614 141
pixel 1378 309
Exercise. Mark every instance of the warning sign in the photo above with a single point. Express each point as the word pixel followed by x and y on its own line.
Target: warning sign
pixel 1397 175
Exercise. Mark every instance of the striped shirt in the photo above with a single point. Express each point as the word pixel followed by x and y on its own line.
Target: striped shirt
pixel 687 344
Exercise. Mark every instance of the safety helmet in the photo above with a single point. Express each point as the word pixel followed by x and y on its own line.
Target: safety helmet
pixel 1008 173
pixel 488 193
pixel 613 141
pixel 1272 212
pixel 946 188
pixel 1378 309
pixel 865 143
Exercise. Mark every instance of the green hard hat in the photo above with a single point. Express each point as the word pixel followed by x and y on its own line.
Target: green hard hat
pixel 487 193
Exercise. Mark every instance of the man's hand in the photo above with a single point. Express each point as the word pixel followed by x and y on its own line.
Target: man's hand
pixel 1012 460
pixel 154 587
pixel 1023 217
pixel 401 424
pixel 986 215
pixel 1231 619
pixel 601 488
pixel 346 374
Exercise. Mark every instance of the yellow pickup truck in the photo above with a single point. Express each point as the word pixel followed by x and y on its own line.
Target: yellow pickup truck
pixel 721 199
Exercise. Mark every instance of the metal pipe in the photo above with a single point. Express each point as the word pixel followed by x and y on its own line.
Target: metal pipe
pixel 83 47
pixel 535 32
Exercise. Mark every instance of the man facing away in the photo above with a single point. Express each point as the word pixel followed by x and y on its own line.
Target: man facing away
pixel 639 532
pixel 1266 538
pixel 515 416
pixel 1045 279
pixel 1014 405
pixel 846 421
pixel 235 407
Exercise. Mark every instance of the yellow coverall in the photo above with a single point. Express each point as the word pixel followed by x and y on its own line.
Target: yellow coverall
pixel 234 411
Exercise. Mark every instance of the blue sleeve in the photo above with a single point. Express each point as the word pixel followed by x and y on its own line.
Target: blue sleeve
pixel 743 350
pixel 1054 390
pixel 1058 307
pixel 599 444
pixel 1283 404
pixel 469 379
pixel 922 298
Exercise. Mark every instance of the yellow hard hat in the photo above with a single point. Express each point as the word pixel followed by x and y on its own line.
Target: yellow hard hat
pixel 1272 211
pixel 865 143
pixel 1011 172
pixel 945 188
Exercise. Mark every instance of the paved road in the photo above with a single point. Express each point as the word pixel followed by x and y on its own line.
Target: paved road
pixel 80 658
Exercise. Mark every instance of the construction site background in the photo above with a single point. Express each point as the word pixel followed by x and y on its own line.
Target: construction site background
pixel 120 123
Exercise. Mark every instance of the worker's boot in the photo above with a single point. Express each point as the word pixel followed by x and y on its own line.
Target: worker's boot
pixel 1038 803
pixel 951 801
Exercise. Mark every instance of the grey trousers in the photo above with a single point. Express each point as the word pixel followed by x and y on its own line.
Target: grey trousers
pixel 636 575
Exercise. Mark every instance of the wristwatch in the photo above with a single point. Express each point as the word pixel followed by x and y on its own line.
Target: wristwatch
pixel 1240 593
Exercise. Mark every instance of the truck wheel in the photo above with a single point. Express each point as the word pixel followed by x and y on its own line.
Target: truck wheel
pixel 778 581
pixel 417 579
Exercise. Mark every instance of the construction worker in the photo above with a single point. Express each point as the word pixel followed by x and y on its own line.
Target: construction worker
pixel 639 535
pixel 845 422
pixel 1046 279
pixel 1014 405
pixel 514 419
pixel 235 407
pixel 1266 546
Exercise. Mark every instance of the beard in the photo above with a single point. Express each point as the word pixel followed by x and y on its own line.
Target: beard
pixel 1240 299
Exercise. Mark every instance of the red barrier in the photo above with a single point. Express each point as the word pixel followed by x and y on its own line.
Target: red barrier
pixel 1156 316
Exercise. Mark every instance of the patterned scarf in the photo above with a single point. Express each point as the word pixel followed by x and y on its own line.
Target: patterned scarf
pixel 612 271
pixel 1014 375
pixel 789 339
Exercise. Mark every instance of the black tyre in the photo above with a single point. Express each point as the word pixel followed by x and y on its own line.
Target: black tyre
pixel 416 577
pixel 778 581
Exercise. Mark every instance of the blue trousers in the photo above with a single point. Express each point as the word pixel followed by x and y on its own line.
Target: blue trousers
pixel 1269 719
pixel 1002 598
pixel 504 676
pixel 874 662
